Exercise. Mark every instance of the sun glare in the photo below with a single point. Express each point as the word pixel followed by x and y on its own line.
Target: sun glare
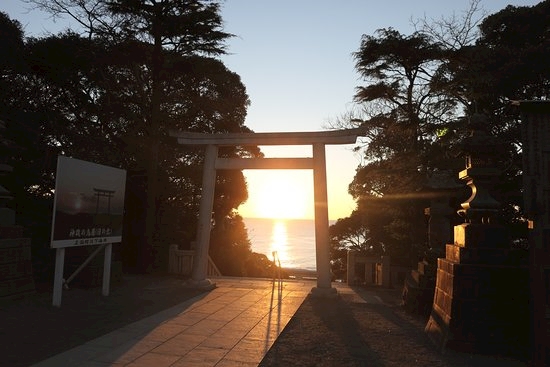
pixel 281 196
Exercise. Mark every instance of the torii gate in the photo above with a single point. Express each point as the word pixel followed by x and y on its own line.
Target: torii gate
pixel 317 139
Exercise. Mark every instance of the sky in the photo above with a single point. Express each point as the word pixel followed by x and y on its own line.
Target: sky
pixel 295 59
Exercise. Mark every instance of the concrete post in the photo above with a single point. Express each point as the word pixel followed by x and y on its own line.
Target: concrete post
pixel 200 261
pixel 322 250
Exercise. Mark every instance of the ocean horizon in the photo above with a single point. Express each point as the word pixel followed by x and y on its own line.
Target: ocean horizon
pixel 293 239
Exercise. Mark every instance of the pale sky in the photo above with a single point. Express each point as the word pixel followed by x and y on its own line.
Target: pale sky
pixel 294 57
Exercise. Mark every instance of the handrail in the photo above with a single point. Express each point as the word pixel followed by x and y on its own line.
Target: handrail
pixel 277 262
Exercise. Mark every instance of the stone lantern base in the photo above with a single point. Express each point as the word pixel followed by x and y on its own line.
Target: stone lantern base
pixel 16 276
pixel 481 300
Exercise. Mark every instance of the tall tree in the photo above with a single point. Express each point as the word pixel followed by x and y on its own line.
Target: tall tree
pixel 415 96
pixel 181 27
pixel 403 118
pixel 503 64
pixel 111 94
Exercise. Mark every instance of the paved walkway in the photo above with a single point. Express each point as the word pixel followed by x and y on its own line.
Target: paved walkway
pixel 232 325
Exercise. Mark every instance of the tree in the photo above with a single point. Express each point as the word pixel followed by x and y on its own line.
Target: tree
pixel 503 64
pixel 163 79
pixel 11 43
pixel 183 28
pixel 455 31
pixel 420 91
pixel 91 97
pixel 230 249
pixel 352 233
pixel 404 119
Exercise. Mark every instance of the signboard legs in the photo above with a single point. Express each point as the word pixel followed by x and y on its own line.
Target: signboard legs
pixel 58 277
pixel 107 269
pixel 58 282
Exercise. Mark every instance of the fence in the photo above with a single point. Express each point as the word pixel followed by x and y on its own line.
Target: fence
pixel 376 269
pixel 180 262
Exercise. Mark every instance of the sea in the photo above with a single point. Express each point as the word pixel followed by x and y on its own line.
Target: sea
pixel 292 239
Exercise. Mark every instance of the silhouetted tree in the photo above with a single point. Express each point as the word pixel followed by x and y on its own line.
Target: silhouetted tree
pixel 403 116
pixel 417 90
pixel 92 98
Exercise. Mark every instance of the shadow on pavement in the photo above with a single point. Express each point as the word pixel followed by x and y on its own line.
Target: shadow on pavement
pixel 33 330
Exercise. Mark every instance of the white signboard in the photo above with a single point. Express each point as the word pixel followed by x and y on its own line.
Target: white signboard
pixel 89 204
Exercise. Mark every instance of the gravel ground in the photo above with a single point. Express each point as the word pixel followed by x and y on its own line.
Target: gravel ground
pixel 351 332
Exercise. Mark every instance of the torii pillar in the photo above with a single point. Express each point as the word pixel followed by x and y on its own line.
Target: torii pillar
pixel 317 139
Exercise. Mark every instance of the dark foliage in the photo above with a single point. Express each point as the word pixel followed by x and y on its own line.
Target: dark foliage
pixel 418 96
pixel 111 98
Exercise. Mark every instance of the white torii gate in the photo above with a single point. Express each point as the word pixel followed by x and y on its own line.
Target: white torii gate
pixel 317 139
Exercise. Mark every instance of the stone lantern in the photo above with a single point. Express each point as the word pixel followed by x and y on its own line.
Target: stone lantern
pixel 480 302
pixel 482 153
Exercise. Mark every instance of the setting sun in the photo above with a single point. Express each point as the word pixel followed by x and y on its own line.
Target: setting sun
pixel 279 194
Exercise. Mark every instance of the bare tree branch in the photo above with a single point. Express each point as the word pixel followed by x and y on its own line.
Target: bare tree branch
pixel 456 30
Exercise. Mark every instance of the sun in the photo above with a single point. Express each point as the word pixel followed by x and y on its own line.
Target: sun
pixel 279 194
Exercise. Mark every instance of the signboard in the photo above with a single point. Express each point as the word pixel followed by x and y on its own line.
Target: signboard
pixel 89 204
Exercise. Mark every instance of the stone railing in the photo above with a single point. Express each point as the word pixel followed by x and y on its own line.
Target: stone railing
pixel 211 269
pixel 180 262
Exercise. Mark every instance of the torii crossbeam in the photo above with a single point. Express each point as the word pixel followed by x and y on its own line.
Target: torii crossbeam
pixel 317 139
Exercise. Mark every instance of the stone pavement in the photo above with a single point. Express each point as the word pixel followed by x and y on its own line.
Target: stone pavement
pixel 233 325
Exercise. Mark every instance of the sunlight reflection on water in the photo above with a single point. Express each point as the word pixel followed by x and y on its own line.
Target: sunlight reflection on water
pixel 293 239
pixel 279 240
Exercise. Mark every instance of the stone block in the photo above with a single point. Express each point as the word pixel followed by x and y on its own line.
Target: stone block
pixel 480 235
pixel 487 256
pixel 443 280
pixel 14 250
pixel 422 280
pixel 7 216
pixel 426 268
pixel 16 270
pixel 482 281
pixel 13 287
pixel 480 308
pixel 11 231
pixel 417 299
pixel 16 276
